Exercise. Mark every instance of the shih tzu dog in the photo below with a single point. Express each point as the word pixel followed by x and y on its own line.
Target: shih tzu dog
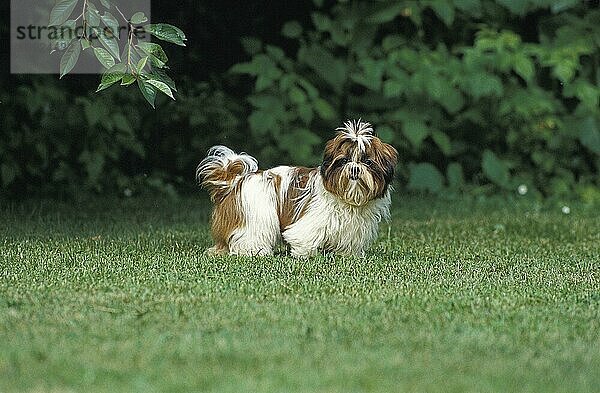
pixel 335 207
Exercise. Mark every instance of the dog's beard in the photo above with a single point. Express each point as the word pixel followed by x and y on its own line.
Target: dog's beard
pixel 356 192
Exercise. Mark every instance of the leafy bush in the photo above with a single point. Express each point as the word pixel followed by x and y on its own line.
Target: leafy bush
pixel 56 143
pixel 477 95
pixel 498 93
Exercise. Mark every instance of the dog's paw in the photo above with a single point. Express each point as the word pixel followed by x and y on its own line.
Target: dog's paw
pixel 216 251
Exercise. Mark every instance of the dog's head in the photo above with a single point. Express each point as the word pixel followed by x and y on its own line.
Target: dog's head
pixel 357 166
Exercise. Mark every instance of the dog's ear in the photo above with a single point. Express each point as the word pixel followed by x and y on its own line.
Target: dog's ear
pixel 328 155
pixel 391 158
pixel 387 159
pixel 325 164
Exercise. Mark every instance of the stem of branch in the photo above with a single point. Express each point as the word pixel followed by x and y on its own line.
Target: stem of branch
pixel 122 16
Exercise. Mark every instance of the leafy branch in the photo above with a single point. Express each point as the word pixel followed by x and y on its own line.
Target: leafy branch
pixel 138 61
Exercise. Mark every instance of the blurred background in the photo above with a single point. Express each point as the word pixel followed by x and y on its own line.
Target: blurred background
pixel 478 96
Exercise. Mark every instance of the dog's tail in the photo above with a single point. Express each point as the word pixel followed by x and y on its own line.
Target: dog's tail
pixel 222 170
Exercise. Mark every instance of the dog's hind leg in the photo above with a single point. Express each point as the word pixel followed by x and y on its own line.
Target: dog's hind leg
pixel 260 233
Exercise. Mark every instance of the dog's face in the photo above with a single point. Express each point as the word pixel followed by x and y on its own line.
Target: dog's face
pixel 357 166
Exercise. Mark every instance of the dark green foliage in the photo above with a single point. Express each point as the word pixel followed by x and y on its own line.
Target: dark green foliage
pixel 478 96
pixel 57 144
pixel 505 92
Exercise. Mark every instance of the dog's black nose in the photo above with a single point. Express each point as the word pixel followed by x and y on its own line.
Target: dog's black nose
pixel 354 173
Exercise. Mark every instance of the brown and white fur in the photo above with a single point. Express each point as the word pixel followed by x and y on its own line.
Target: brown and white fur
pixel 335 207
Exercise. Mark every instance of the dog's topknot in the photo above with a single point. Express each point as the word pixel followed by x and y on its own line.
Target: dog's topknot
pixel 357 131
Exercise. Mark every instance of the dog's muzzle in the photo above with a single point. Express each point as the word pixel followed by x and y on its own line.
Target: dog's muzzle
pixel 354 172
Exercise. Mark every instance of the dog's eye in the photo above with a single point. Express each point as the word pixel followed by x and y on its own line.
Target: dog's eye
pixel 342 161
pixel 369 162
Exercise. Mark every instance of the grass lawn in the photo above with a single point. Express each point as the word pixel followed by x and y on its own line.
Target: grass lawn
pixel 116 295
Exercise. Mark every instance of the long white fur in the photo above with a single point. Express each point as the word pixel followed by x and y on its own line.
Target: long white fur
pixel 219 157
pixel 331 224
pixel 287 174
pixel 328 222
pixel 260 233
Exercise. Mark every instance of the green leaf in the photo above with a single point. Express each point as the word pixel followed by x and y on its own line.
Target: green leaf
pixel 104 57
pixel 524 66
pixel 263 82
pixel 128 79
pixel 105 3
pixel 481 84
pixel 261 66
pixel 252 45
pixel 112 23
pixel 297 96
pixel 392 88
pixel 324 109
pixel 161 86
pixel 261 122
pixel 156 53
pixel 299 144
pixel 444 9
pixel 110 43
pixel 386 13
pixel 425 177
pixel 305 112
pixel 589 135
pixel 71 24
pixel 470 7
pixel 440 88
pixel 371 75
pixel 8 173
pixel 561 5
pixel 92 15
pixel 148 91
pixel 456 178
pixel 442 141
pixel 393 41
pixel 386 133
pixel 312 91
pixel 93 162
pixel 329 68
pixel 585 91
pixel 138 18
pixel 275 53
pixel 167 32
pixel 61 12
pixel 453 101
pixel 141 65
pixel 495 169
pixel 70 58
pixel 112 76
pixel 162 76
pixel 565 70
pixel 108 80
pixel 286 81
pixel 321 21
pixel 265 101
pixel 121 123
pixel 243 68
pixel 154 50
pixel 518 7
pixel 415 131
pixel 292 29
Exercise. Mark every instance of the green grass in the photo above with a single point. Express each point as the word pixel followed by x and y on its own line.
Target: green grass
pixel 109 295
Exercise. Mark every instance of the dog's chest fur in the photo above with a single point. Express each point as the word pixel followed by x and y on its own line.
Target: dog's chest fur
pixel 322 221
